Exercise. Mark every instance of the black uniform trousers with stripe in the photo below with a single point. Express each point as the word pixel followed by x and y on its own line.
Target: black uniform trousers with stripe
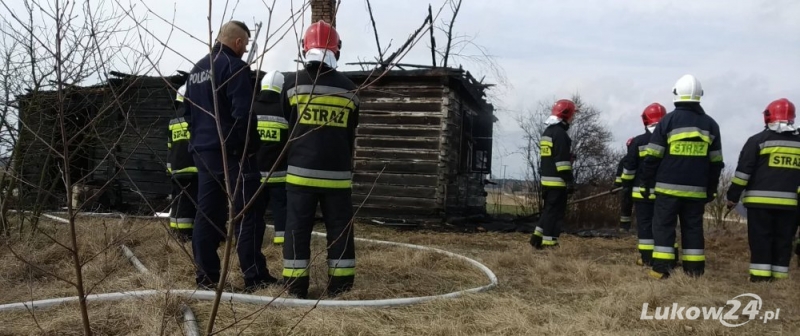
pixel 667 211
pixel 212 215
pixel 337 213
pixel 644 225
pixel 770 233
pixel 552 218
pixel 274 198
pixel 184 198
pixel 626 209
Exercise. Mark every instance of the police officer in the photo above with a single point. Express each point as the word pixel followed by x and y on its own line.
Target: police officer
pixel 321 106
pixel 625 201
pixel 233 90
pixel 273 132
pixel 556 174
pixel 181 168
pixel 637 150
pixel 767 179
pixel 683 164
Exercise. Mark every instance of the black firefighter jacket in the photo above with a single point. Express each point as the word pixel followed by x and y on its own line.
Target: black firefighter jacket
pixel 555 156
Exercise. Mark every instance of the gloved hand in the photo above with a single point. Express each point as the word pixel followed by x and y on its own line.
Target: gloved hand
pixel 645 192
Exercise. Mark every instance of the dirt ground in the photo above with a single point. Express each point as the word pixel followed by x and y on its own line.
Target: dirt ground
pixel 585 287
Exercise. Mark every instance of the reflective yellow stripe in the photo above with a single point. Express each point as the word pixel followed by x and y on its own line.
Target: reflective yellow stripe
pixel 341 271
pixel 319 183
pixel 295 272
pixel 739 181
pixel 627 176
pixel 688 135
pixel 779 149
pixel 693 258
pixel 545 143
pixel 679 193
pixel 278 240
pixel 334 101
pixel 563 168
pixel 173 225
pixel 654 152
pixel 281 179
pixel 183 170
pixel 780 275
pixel 554 184
pixel 178 126
pixel 643 153
pixel 618 180
pixel 644 247
pixel 271 88
pixel 272 124
pixel 770 200
pixel 761 273
pixel 549 242
pixel 663 255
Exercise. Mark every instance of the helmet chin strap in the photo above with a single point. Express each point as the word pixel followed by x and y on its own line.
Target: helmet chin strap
pixel 321 55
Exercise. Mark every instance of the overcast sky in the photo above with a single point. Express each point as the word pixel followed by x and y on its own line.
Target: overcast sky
pixel 621 55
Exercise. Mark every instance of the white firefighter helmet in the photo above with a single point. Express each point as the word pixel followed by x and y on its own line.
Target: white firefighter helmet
pixel 272 81
pixel 687 89
pixel 181 93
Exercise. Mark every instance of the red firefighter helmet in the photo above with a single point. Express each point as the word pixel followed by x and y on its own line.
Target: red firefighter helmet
pixel 323 36
pixel 779 110
pixel 564 109
pixel 653 113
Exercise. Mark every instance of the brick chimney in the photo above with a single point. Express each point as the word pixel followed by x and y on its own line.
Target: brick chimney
pixel 323 10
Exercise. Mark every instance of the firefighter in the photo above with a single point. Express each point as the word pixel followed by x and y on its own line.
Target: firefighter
pixel 683 164
pixel 625 200
pixel 229 99
pixel 182 170
pixel 556 174
pixel 273 132
pixel 322 108
pixel 632 168
pixel 766 181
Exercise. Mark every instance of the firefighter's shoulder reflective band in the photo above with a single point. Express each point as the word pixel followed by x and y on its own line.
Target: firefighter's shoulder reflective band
pixel 664 253
pixel 563 165
pixel 779 147
pixel 678 190
pixel 689 133
pixel 688 148
pixel 341 267
pixel 740 178
pixel 655 150
pixel 693 255
pixel 628 174
pixel 318 178
pixel 549 181
pixel 295 268
pixel 761 270
pixel 187 170
pixel 770 197
pixel 320 90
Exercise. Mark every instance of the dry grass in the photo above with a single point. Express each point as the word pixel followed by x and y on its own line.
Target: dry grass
pixel 587 287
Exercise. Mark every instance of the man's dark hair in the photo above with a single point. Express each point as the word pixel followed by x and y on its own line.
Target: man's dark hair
pixel 244 27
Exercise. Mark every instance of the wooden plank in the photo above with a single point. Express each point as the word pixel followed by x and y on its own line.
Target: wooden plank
pixel 397 143
pixel 400 92
pixel 404 167
pixel 390 190
pixel 399 120
pixel 377 211
pixel 403 106
pixel 396 179
pixel 399 131
pixel 393 202
pixel 417 155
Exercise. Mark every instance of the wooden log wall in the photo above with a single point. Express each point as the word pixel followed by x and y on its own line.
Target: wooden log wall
pixel 400 133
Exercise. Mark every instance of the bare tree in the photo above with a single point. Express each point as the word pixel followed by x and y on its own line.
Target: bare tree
pixel 717 208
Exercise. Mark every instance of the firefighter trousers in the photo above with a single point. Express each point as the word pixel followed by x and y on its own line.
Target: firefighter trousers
pixel 626 209
pixel 552 218
pixel 212 215
pixel 337 212
pixel 667 211
pixel 274 197
pixel 770 233
pixel 644 225
pixel 182 211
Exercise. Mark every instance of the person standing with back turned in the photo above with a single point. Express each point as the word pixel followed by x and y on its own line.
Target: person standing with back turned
pixel 767 180
pixel 321 106
pixel 556 173
pixel 683 164
pixel 231 94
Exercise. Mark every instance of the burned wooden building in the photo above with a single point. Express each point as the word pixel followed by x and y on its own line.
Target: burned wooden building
pixel 423 146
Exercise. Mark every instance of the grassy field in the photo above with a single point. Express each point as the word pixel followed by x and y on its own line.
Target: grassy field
pixel 585 287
